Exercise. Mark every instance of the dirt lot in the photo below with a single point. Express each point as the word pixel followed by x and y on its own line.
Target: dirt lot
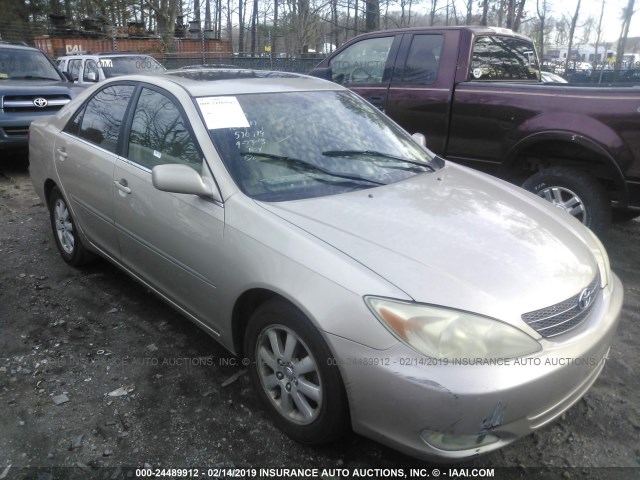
pixel 98 377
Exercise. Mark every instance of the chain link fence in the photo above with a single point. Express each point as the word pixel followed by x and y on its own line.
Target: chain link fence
pixel 281 64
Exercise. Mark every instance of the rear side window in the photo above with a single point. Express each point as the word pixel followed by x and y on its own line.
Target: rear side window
pixel 363 62
pixel 503 58
pixel 423 60
pixel 100 120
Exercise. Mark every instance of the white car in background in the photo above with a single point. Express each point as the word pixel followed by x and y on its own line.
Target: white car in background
pixel 92 68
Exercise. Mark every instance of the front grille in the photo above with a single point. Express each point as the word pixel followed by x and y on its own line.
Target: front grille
pixel 24 103
pixel 563 316
pixel 16 131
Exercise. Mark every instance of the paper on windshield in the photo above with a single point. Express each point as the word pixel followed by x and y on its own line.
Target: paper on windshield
pixel 222 112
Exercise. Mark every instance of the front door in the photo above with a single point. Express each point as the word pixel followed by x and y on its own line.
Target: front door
pixel 171 240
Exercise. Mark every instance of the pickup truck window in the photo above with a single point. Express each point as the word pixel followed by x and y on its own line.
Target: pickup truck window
pixel 503 58
pixel 74 68
pixel 362 62
pixel 423 59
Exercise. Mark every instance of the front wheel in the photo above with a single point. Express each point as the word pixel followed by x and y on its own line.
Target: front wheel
pixel 576 193
pixel 292 372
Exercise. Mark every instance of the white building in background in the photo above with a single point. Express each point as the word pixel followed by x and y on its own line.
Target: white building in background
pixel 581 53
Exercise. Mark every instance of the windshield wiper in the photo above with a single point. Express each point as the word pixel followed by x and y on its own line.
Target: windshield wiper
pixel 373 153
pixel 304 165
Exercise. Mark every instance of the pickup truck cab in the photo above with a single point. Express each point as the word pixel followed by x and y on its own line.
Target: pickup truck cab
pixel 477 96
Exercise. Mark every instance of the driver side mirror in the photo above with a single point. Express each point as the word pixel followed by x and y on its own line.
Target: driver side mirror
pixel 420 139
pixel 177 178
pixel 92 77
pixel 323 72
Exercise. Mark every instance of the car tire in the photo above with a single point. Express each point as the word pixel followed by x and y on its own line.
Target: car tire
pixel 65 231
pixel 295 375
pixel 575 192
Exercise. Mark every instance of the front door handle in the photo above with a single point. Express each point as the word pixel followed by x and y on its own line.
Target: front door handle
pixel 122 185
pixel 377 101
pixel 62 154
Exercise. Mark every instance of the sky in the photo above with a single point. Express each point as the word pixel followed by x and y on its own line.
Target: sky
pixel 612 24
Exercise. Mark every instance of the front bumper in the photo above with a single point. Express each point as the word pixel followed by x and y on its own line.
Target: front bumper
pixel 398 397
pixel 14 128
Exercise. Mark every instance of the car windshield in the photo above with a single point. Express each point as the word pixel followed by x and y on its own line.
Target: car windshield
pixel 21 64
pixel 114 66
pixel 293 145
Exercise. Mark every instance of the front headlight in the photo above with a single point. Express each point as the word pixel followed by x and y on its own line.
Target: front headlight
pixel 450 334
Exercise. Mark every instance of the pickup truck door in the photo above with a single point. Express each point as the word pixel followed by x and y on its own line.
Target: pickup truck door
pixel 366 66
pixel 420 91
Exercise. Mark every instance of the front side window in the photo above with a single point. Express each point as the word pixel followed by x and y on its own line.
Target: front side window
pixel 423 59
pixel 504 58
pixel 100 120
pixel 90 71
pixel 363 62
pixel 309 144
pixel 159 133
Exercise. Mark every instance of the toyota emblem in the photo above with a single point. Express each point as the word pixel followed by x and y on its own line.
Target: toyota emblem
pixel 40 102
pixel 585 298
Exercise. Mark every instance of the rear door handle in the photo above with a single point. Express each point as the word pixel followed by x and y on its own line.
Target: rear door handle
pixel 122 185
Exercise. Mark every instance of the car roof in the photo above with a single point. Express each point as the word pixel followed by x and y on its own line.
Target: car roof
pixel 13 46
pixel 216 81
pixel 475 29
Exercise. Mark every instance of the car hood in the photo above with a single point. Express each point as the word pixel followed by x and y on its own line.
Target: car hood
pixel 42 87
pixel 456 238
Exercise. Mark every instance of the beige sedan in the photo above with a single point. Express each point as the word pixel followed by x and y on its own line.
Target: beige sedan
pixel 369 284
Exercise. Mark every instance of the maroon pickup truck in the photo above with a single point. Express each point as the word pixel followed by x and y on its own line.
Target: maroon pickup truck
pixel 476 95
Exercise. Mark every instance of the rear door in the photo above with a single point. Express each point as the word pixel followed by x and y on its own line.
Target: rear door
pixel 365 67
pixel 85 156
pixel 420 92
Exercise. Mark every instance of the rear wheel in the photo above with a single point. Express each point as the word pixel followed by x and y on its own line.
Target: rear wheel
pixel 65 231
pixel 576 193
pixel 293 373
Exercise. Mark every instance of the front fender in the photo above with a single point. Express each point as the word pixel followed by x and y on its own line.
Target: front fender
pixel 614 164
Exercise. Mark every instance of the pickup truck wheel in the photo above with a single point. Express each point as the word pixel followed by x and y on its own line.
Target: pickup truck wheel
pixel 65 231
pixel 293 373
pixel 575 192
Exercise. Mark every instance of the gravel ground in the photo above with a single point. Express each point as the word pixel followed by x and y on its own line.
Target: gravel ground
pixel 98 377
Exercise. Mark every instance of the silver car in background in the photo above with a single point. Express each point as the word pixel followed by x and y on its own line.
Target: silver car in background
pixel 371 284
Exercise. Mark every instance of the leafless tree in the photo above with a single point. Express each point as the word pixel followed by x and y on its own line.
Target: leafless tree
pixel 627 13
